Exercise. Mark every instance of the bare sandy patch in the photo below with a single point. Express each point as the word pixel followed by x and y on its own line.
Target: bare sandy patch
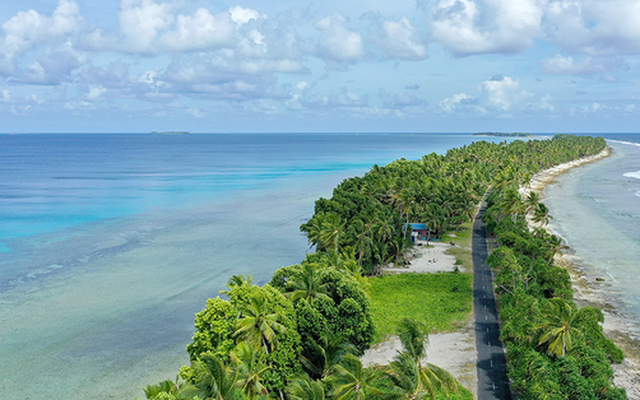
pixel 455 352
pixel 428 258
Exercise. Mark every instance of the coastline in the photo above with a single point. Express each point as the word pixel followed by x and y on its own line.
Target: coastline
pixel 590 291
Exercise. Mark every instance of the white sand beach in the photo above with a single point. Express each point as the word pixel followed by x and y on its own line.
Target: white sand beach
pixel 455 351
pixel 588 291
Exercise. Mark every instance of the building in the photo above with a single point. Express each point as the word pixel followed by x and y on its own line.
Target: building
pixel 419 231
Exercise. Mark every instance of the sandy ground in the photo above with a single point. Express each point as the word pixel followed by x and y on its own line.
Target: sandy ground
pixel 431 258
pixel 591 291
pixel 456 351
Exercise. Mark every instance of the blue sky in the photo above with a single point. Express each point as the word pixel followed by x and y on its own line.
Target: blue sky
pixel 295 66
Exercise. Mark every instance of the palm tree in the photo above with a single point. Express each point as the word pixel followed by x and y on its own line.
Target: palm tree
pixel 531 201
pixel 331 230
pixel 559 329
pixel 306 285
pixel 552 246
pixel 327 351
pixel 304 388
pixel 212 381
pixel 351 381
pixel 167 386
pixel 413 336
pixel 248 364
pixel 237 281
pixel 541 214
pixel 257 324
pixel 407 373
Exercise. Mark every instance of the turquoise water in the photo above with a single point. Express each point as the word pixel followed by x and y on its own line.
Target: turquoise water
pixel 596 209
pixel 111 243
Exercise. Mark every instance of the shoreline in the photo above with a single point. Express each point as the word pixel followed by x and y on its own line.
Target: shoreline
pixel 589 292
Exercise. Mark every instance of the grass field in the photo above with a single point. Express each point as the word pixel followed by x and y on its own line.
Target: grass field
pixel 442 300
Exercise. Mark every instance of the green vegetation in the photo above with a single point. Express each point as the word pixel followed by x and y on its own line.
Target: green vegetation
pixel 443 301
pixel 299 337
pixel 555 350
pixel 504 134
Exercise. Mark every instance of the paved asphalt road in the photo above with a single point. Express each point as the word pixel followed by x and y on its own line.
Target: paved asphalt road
pixel 492 373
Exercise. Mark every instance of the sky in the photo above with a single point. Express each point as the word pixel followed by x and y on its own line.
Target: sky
pixel 331 66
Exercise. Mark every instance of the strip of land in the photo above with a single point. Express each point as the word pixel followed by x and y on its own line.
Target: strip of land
pixel 453 351
pixel 586 293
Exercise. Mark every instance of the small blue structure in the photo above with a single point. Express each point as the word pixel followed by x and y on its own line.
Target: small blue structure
pixel 419 231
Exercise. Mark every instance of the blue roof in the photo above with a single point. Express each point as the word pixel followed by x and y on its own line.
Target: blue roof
pixel 415 226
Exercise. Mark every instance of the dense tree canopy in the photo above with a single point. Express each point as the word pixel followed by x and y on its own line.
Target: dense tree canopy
pixel 299 336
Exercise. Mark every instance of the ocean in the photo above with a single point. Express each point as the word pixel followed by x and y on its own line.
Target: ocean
pixel 596 210
pixel 110 243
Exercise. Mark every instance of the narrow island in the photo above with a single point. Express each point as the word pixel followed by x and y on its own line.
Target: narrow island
pixel 170 133
pixel 504 134
pixel 302 336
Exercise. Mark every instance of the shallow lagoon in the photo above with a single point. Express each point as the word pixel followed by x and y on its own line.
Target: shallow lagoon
pixel 112 243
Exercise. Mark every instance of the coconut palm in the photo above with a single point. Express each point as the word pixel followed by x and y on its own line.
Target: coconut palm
pixel 169 387
pixel 409 376
pixel 541 214
pixel 351 381
pixel 212 381
pixel 304 388
pixel 560 328
pixel 248 365
pixel 257 324
pixel 332 229
pixel 327 351
pixel 531 201
pixel 306 285
pixel 237 281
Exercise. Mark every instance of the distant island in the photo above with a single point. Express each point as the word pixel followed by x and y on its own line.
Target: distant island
pixel 504 134
pixel 170 133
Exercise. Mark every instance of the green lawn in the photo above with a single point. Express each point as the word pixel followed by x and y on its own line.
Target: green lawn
pixel 442 300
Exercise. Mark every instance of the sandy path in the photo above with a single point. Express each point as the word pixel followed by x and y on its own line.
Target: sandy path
pixel 456 351
pixel 588 292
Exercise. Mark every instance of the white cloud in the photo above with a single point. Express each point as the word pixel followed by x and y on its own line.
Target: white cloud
pixel 595 27
pixel 195 112
pixel 29 29
pixel 241 15
pixel 337 42
pixel 95 91
pixel 560 65
pixel 401 40
pixel 53 66
pixel 452 103
pixel 141 21
pixel 468 27
pixel 201 31
pixel 499 95
pixel 6 96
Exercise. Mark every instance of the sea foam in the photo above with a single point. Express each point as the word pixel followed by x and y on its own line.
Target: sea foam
pixel 635 175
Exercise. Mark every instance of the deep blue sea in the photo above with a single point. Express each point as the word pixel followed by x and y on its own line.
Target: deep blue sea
pixel 596 209
pixel 109 244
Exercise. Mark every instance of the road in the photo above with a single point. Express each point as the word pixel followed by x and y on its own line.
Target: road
pixel 492 372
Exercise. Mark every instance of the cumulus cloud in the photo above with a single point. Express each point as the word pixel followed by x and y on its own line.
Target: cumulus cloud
pixel 337 42
pixel 29 29
pixel 561 65
pixel 500 95
pixel 53 66
pixel 141 21
pixel 595 27
pixel 201 31
pixel 400 40
pixel 400 100
pixel 467 27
